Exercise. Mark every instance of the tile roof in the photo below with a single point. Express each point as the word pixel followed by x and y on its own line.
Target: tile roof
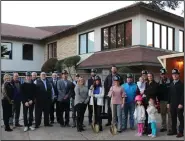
pixel 55 29
pixel 17 31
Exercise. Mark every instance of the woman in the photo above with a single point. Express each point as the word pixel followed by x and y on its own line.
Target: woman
pixel 7 101
pixel 81 100
pixel 150 92
pixel 28 91
pixel 118 99
pixel 97 92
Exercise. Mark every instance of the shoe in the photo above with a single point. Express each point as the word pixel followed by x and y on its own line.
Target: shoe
pixel 108 124
pixel 62 125
pixel 36 126
pixel 82 129
pixel 153 136
pixel 52 122
pixel 172 133
pixel 140 134
pixel 31 128
pixel 124 129
pixel 163 130
pixel 149 135
pixel 25 129
pixel 83 125
pixel 48 125
pixel 73 126
pixel 18 125
pixel 119 131
pixel 137 134
pixel 8 129
pixel 179 135
pixel 132 128
pixel 100 129
pixel 67 125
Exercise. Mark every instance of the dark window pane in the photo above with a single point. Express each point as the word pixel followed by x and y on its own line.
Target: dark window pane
pixel 91 42
pixel 128 33
pixel 105 38
pixel 83 44
pixel 170 39
pixel 52 50
pixel 27 52
pixel 149 34
pixel 157 35
pixel 120 35
pixel 164 38
pixel 113 37
pixel 6 50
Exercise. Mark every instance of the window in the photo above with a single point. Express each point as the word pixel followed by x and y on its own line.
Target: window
pixel 160 36
pixel 86 43
pixel 116 36
pixel 6 50
pixel 27 52
pixel 52 50
pixel 181 41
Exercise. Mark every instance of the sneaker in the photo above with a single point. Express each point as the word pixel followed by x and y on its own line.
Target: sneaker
pixel 140 134
pixel 25 129
pixel 137 134
pixel 31 128
pixel 149 135
pixel 153 136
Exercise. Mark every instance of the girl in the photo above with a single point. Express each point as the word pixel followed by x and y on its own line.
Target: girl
pixel 7 101
pixel 141 85
pixel 81 100
pixel 152 111
pixel 97 91
pixel 118 99
pixel 139 114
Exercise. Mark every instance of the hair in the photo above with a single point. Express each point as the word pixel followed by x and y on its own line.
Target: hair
pixel 6 76
pixel 141 102
pixel 113 66
pixel 151 74
pixel 141 78
pixel 33 73
pixel 80 78
pixel 94 83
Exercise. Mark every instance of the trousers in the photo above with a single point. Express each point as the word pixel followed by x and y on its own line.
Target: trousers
pixel 154 128
pixel 25 113
pixel 140 127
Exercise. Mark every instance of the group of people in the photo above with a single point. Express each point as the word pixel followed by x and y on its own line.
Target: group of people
pixel 134 100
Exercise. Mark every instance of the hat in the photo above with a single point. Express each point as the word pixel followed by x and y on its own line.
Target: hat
pixel 129 75
pixel 28 73
pixel 116 78
pixel 163 71
pixel 64 72
pixel 144 72
pixel 93 70
pixel 138 98
pixel 77 75
pixel 175 71
pixel 97 78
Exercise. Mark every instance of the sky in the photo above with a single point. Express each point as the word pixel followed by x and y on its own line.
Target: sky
pixel 51 13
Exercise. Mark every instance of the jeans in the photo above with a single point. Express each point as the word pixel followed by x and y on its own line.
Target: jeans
pixel 117 115
pixel 28 120
pixel 154 128
pixel 128 108
pixel 15 112
pixel 140 127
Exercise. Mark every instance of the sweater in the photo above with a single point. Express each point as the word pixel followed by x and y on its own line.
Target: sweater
pixel 139 114
pixel 152 111
pixel 117 94
pixel 81 94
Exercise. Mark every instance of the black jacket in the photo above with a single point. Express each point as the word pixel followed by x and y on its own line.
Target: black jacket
pixel 90 82
pixel 28 92
pixel 7 91
pixel 108 83
pixel 176 94
pixel 163 90
pixel 151 90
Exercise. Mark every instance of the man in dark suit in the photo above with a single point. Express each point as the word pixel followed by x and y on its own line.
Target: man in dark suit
pixel 64 87
pixel 43 102
pixel 108 83
pixel 54 102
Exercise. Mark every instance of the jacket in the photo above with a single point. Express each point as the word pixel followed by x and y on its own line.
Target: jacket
pixel 54 87
pixel 90 82
pixel 99 96
pixel 7 91
pixel 176 94
pixel 152 113
pixel 17 95
pixel 151 90
pixel 139 114
pixel 64 91
pixel 163 90
pixel 81 94
pixel 108 83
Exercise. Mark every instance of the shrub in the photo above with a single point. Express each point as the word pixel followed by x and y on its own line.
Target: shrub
pixel 49 65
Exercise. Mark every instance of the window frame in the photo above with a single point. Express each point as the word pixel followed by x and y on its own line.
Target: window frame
pixel 11 50
pixel 160 34
pixel 86 33
pixel 52 48
pixel 182 39
pixel 109 36
pixel 23 52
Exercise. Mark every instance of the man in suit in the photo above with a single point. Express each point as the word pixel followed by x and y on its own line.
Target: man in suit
pixel 64 87
pixel 54 102
pixel 43 102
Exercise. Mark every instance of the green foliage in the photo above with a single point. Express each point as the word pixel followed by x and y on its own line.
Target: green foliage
pixel 49 65
pixel 3 50
pixel 72 61
pixel 60 65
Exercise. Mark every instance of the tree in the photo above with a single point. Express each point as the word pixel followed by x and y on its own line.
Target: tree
pixel 49 65
pixel 4 50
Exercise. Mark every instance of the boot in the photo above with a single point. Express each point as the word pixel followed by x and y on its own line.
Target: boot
pixel 101 129
pixel 8 129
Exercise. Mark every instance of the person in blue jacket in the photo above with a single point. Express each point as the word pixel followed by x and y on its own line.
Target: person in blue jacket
pixel 131 91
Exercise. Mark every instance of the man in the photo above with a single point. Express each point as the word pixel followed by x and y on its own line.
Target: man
pixel 34 76
pixel 107 85
pixel 144 75
pixel 64 87
pixel 73 99
pixel 54 102
pixel 131 91
pixel 44 97
pixel 176 104
pixel 90 82
pixel 162 97
pixel 17 99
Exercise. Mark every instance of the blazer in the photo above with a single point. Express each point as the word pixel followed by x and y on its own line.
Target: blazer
pixel 99 97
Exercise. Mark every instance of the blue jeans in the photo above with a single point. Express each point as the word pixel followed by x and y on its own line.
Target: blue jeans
pixel 117 115
pixel 154 128
pixel 128 108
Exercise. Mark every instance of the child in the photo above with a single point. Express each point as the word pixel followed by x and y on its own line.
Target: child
pixel 152 111
pixel 139 114
pixel 141 85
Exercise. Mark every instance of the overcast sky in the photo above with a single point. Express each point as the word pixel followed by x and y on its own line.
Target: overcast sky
pixel 49 13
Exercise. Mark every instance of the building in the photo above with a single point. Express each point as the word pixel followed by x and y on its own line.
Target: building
pixel 131 38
